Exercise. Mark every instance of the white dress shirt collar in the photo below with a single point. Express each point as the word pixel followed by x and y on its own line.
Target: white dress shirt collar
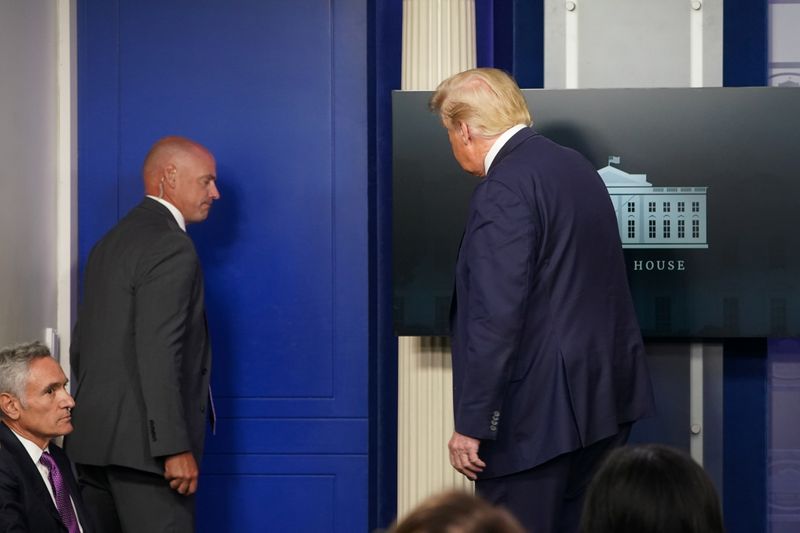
pixel 498 144
pixel 33 450
pixel 172 209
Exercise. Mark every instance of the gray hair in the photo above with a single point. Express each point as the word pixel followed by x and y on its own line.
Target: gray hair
pixel 15 364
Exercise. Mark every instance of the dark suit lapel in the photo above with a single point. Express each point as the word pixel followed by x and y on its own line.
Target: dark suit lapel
pixel 11 443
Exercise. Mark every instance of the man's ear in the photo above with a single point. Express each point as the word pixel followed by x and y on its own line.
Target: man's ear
pixel 464 132
pixel 10 405
pixel 170 173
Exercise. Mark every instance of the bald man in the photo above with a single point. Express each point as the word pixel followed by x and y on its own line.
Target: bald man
pixel 140 353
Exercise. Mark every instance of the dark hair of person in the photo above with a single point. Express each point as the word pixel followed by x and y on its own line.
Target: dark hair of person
pixel 651 489
pixel 457 512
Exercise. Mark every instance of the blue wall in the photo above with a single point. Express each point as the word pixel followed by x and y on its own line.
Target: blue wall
pixel 279 92
pixel 384 49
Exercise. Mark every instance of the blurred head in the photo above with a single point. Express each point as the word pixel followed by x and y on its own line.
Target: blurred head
pixel 183 173
pixel 457 512
pixel 33 396
pixel 475 107
pixel 651 488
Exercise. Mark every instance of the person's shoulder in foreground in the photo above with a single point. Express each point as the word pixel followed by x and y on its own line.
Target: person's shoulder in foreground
pixel 456 512
pixel 651 488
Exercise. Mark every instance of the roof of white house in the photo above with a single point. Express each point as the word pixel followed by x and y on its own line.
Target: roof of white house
pixel 614 177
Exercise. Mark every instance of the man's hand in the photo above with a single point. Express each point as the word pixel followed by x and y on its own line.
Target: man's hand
pixel 464 455
pixel 181 471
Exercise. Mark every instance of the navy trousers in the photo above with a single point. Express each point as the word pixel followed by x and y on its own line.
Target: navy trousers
pixel 548 498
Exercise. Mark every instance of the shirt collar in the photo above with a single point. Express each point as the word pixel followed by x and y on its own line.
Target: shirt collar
pixel 33 450
pixel 498 144
pixel 172 209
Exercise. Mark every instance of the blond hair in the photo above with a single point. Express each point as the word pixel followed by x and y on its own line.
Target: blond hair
pixel 486 99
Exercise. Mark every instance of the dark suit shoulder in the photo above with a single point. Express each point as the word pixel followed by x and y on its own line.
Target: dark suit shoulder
pixel 9 462
pixel 142 222
pixel 11 474
pixel 146 235
pixel 9 443
pixel 536 153
pixel 148 218
pixel 536 165
pixel 20 507
pixel 13 514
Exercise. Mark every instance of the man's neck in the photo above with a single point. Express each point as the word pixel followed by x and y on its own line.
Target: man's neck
pixel 176 214
pixel 29 441
pixel 497 144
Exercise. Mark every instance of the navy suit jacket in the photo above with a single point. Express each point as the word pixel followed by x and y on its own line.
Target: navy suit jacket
pixel 25 503
pixel 547 352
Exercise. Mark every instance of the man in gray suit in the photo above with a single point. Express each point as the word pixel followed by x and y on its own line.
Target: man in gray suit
pixel 141 355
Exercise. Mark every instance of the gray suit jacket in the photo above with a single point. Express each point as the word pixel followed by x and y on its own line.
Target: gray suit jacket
pixel 140 352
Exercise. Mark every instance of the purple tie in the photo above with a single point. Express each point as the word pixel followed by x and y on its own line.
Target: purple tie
pixel 61 493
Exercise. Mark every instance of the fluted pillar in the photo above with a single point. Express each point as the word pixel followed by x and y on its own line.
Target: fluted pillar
pixel 438 41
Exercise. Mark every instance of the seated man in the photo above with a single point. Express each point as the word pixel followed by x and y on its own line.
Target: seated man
pixel 38 492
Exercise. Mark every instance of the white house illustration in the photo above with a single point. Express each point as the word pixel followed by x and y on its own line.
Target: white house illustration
pixel 655 217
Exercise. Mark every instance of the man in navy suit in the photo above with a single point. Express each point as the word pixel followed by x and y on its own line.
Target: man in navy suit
pixel 38 492
pixel 549 370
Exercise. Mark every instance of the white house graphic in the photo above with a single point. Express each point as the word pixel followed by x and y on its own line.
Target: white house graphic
pixel 655 217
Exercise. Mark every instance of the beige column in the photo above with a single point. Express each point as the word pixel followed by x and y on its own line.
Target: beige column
pixel 438 41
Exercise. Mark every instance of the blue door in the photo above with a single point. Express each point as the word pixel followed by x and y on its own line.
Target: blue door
pixel 278 91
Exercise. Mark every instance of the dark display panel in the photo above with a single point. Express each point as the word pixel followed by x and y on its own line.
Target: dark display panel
pixel 706 187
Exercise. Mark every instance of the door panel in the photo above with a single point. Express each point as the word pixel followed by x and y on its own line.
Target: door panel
pixel 278 91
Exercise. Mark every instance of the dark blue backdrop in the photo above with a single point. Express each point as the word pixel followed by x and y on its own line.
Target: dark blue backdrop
pixel 278 91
